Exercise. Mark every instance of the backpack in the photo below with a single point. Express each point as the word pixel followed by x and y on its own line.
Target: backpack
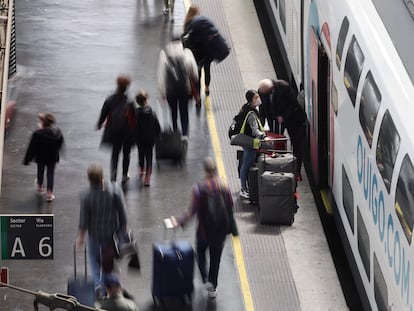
pixel 218 221
pixel 238 121
pixel 119 118
pixel 176 76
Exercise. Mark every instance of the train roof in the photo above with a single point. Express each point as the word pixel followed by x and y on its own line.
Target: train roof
pixel 398 19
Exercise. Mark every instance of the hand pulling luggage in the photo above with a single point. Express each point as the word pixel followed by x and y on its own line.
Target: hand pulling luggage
pixel 173 270
pixel 277 198
pixel 82 289
pixel 254 184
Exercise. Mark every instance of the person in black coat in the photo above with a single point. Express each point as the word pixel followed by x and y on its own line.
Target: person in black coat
pixel 287 112
pixel 148 130
pixel 118 116
pixel 44 147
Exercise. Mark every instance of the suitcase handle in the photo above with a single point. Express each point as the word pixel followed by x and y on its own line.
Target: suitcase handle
pixel 75 265
pixel 168 226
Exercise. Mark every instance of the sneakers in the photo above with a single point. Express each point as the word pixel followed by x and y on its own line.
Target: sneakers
pixel 244 193
pixel 211 291
pixel 141 171
pixel 40 189
pixel 50 197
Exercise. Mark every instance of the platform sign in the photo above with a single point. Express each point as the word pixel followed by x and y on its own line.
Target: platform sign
pixel 4 276
pixel 27 236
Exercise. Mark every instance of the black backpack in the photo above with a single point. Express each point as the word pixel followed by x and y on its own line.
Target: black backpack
pixel 119 116
pixel 237 122
pixel 176 76
pixel 218 221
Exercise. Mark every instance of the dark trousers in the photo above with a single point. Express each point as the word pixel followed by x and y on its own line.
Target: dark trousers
pixel 179 101
pixel 207 74
pixel 50 174
pixel 215 251
pixel 116 150
pixel 298 137
pixel 145 152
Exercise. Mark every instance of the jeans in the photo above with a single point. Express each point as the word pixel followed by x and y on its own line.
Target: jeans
pixel 249 156
pixel 50 174
pixel 95 250
pixel 215 251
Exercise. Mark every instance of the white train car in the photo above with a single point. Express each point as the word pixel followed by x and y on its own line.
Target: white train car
pixel 357 69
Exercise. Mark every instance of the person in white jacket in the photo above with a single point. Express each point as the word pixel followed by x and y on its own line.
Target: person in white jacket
pixel 177 81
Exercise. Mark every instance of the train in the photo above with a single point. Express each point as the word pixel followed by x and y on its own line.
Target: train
pixel 353 60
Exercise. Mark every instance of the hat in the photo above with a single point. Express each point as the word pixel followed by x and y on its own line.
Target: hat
pixel 46 118
pixel 111 280
pixel 250 94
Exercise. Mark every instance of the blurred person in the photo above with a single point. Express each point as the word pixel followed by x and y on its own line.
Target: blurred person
pixel 102 213
pixel 208 196
pixel 148 130
pixel 116 300
pixel 44 146
pixel 254 129
pixel 118 115
pixel 177 77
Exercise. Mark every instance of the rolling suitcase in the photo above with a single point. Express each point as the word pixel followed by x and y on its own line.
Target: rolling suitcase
pixel 82 289
pixel 173 270
pixel 169 146
pixel 254 184
pixel 281 163
pixel 277 198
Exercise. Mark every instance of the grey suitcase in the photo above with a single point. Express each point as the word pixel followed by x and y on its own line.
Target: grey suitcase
pixel 277 198
pixel 285 162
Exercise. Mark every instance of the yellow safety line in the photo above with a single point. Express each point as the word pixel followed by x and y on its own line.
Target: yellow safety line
pixel 326 202
pixel 238 253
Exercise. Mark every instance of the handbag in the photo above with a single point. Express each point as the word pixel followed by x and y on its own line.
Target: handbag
pixel 124 243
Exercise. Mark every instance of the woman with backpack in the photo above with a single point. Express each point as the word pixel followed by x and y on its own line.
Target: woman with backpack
pixel 253 129
pixel 212 202
pixel 147 131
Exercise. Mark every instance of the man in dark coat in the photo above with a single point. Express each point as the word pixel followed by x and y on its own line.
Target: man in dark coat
pixel 44 148
pixel 118 114
pixel 291 115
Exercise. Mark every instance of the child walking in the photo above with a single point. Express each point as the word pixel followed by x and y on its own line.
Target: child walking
pixel 148 130
pixel 44 147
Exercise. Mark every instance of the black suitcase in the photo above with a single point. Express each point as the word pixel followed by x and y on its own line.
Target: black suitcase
pixel 83 289
pixel 254 184
pixel 282 163
pixel 170 146
pixel 173 270
pixel 277 198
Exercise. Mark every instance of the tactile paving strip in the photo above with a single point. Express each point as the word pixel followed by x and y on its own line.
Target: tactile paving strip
pixel 270 278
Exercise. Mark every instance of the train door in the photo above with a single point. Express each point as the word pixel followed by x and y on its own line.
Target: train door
pixel 319 122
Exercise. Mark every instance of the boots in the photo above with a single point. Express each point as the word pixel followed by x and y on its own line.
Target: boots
pixel 147 179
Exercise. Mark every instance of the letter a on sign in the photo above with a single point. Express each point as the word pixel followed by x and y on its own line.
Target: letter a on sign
pixel 18 248
pixel 4 276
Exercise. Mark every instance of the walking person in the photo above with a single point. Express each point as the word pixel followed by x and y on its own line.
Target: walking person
pixel 213 204
pixel 44 147
pixel 177 77
pixel 118 116
pixel 203 39
pixel 102 213
pixel 115 301
pixel 254 129
pixel 147 131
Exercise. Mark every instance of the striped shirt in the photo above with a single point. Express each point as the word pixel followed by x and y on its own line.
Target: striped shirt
pixel 102 211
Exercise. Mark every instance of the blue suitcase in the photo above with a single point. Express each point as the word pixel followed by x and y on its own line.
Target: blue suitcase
pixel 83 289
pixel 173 270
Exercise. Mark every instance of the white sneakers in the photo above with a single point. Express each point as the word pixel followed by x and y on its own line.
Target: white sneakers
pixel 211 291
pixel 244 193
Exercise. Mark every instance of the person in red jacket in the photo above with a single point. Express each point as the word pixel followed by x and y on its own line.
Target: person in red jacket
pixel 44 147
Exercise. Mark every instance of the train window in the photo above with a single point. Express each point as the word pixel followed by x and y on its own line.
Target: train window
pixel 282 13
pixel 380 287
pixel 363 243
pixel 387 148
pixel 353 68
pixel 404 197
pixel 334 98
pixel 341 41
pixel 370 103
pixel 348 198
